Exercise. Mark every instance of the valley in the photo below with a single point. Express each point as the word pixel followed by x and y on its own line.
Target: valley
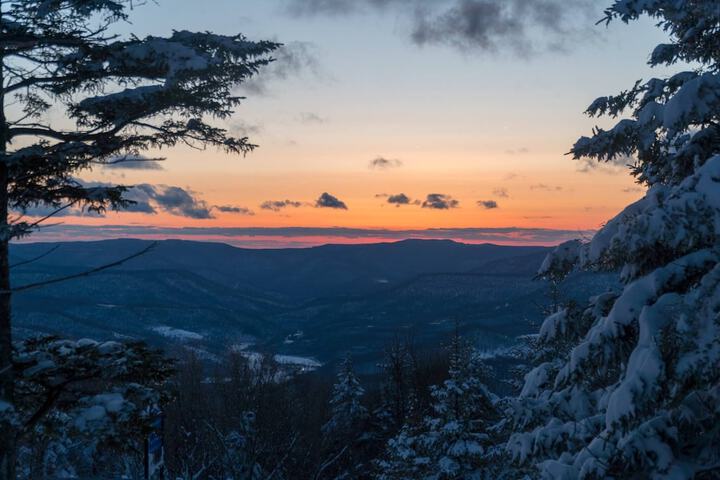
pixel 314 304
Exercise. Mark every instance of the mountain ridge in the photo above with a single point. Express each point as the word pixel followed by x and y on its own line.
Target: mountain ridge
pixel 313 302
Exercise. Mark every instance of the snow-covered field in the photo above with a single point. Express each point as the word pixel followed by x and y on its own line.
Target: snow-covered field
pixel 176 333
pixel 300 361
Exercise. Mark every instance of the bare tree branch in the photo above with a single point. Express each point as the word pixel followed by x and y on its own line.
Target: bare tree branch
pixel 35 259
pixel 325 465
pixel 86 273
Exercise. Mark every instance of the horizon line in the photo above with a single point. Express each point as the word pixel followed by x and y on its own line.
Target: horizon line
pixel 303 237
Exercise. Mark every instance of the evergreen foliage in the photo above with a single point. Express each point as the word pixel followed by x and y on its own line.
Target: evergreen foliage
pixel 450 442
pixel 630 387
pixel 120 96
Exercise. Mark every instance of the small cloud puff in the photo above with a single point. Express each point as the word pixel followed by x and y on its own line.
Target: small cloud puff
pixel 382 163
pixel 399 199
pixel 488 204
pixel 439 201
pixel 329 201
pixel 234 209
pixel 277 205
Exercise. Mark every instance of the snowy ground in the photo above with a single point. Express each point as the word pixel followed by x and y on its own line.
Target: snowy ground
pixel 176 333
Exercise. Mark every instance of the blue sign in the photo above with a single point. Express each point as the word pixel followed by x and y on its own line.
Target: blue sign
pixel 154 447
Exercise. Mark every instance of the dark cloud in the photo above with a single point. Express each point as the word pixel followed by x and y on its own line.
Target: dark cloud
pixel 132 162
pixel 382 163
pixel 293 59
pixel 488 204
pixel 521 26
pixel 471 24
pixel 234 209
pixel 501 192
pixel 146 198
pixel 142 203
pixel 44 210
pixel 174 200
pixel 277 205
pixel 41 211
pixel 439 201
pixel 280 237
pixel 547 188
pixel 328 201
pixel 399 199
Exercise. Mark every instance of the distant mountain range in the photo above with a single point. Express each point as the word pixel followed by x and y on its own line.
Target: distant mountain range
pixel 310 303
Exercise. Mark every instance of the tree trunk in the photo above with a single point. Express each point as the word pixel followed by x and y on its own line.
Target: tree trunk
pixel 8 433
pixel 7 382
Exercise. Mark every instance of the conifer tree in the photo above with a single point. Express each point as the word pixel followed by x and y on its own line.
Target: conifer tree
pixel 451 441
pixel 399 398
pixel 82 405
pixel 634 389
pixel 121 96
pixel 345 434
pixel 348 412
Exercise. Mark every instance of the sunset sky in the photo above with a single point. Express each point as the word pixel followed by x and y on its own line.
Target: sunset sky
pixel 371 99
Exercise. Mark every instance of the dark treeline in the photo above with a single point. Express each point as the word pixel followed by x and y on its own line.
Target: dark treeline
pixel 90 408
pixel 251 419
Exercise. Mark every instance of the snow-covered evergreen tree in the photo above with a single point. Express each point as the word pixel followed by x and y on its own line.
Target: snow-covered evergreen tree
pixel 348 413
pixel 632 387
pixel 345 434
pixel 121 95
pixel 82 404
pixel 398 389
pixel 450 443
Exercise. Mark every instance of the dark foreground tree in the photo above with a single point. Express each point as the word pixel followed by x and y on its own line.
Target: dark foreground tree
pixel 120 96
pixel 633 390
pixel 83 406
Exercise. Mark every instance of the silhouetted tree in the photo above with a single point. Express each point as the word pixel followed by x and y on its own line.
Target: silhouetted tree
pixel 120 96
